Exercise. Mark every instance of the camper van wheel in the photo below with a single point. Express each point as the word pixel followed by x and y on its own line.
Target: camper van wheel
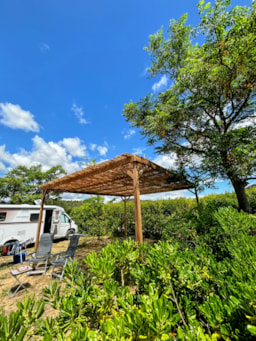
pixel 7 248
pixel 69 233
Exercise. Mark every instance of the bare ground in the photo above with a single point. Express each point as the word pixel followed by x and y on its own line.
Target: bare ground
pixel 35 283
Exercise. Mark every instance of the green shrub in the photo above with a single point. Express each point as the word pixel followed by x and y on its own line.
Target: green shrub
pixel 177 290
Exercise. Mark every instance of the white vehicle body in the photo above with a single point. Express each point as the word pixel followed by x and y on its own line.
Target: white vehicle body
pixel 20 222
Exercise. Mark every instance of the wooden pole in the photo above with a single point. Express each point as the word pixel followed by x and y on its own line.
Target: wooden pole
pixel 137 206
pixel 40 219
pixel 125 199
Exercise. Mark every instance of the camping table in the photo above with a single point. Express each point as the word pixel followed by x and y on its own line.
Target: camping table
pixel 17 274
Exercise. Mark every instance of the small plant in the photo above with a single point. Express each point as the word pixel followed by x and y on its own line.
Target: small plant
pixel 12 328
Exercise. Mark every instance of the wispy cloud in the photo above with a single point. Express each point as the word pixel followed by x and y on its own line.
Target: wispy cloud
pixel 145 71
pixel 93 146
pixel 102 150
pixel 128 134
pixel 14 117
pixel 162 83
pixel 43 47
pixel 139 151
pixel 79 113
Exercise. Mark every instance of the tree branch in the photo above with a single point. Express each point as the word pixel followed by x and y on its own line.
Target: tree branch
pixel 232 119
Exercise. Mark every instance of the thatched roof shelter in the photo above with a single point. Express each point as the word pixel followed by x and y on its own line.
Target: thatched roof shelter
pixel 125 176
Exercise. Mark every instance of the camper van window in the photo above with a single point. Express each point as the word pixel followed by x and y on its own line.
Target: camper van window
pixel 34 216
pixel 64 218
pixel 2 216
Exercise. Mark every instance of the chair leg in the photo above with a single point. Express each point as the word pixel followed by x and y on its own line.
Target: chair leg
pixel 60 275
pixel 19 285
pixel 53 273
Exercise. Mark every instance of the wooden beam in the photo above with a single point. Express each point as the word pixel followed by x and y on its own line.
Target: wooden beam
pixel 137 206
pixel 91 170
pixel 40 219
pixel 94 183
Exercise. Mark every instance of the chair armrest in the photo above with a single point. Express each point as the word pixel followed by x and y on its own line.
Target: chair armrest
pixel 30 254
pixel 57 255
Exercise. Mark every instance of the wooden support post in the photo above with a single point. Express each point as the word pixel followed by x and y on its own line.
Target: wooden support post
pixel 137 207
pixel 125 199
pixel 40 219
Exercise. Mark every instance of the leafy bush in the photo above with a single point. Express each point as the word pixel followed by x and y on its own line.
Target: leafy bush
pixel 164 291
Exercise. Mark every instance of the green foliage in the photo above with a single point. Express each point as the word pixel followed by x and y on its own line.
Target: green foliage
pixel 68 205
pixel 31 310
pixel 23 321
pixel 101 267
pixel 207 112
pixel 114 261
pixel 155 215
pixel 170 290
pixel 91 217
pixel 12 328
pixel 22 184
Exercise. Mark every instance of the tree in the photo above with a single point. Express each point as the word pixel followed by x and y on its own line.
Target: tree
pixel 196 176
pixel 209 110
pixel 22 184
pixel 91 217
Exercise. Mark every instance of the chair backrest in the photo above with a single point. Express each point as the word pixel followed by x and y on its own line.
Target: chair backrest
pixel 73 243
pixel 45 245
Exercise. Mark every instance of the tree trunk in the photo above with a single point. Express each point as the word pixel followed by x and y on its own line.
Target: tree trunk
pixel 197 198
pixel 242 199
pixel 238 184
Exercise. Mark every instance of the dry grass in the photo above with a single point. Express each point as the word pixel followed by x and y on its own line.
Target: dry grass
pixel 35 283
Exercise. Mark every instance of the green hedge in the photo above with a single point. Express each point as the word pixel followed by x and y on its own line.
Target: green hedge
pixel 94 217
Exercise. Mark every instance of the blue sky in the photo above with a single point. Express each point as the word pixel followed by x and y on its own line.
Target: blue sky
pixel 67 69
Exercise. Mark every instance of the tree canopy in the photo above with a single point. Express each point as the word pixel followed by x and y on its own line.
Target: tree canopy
pixel 21 184
pixel 208 112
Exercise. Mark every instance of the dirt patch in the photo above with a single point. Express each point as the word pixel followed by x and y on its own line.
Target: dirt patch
pixel 35 283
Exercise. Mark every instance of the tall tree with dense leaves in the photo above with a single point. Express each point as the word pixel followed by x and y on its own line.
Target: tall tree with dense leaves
pixel 22 184
pixel 208 112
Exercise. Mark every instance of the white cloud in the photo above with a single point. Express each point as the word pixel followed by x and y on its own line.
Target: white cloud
pixel 168 195
pixel 74 146
pixel 160 84
pixel 79 113
pixel 102 150
pixel 43 47
pixel 48 154
pixel 129 134
pixel 73 196
pixel 166 161
pixel 247 122
pixel 14 117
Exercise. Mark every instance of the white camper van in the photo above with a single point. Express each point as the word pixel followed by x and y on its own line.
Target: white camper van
pixel 20 222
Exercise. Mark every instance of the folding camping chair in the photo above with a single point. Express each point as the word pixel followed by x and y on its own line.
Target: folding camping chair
pixel 63 257
pixel 17 274
pixel 39 260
